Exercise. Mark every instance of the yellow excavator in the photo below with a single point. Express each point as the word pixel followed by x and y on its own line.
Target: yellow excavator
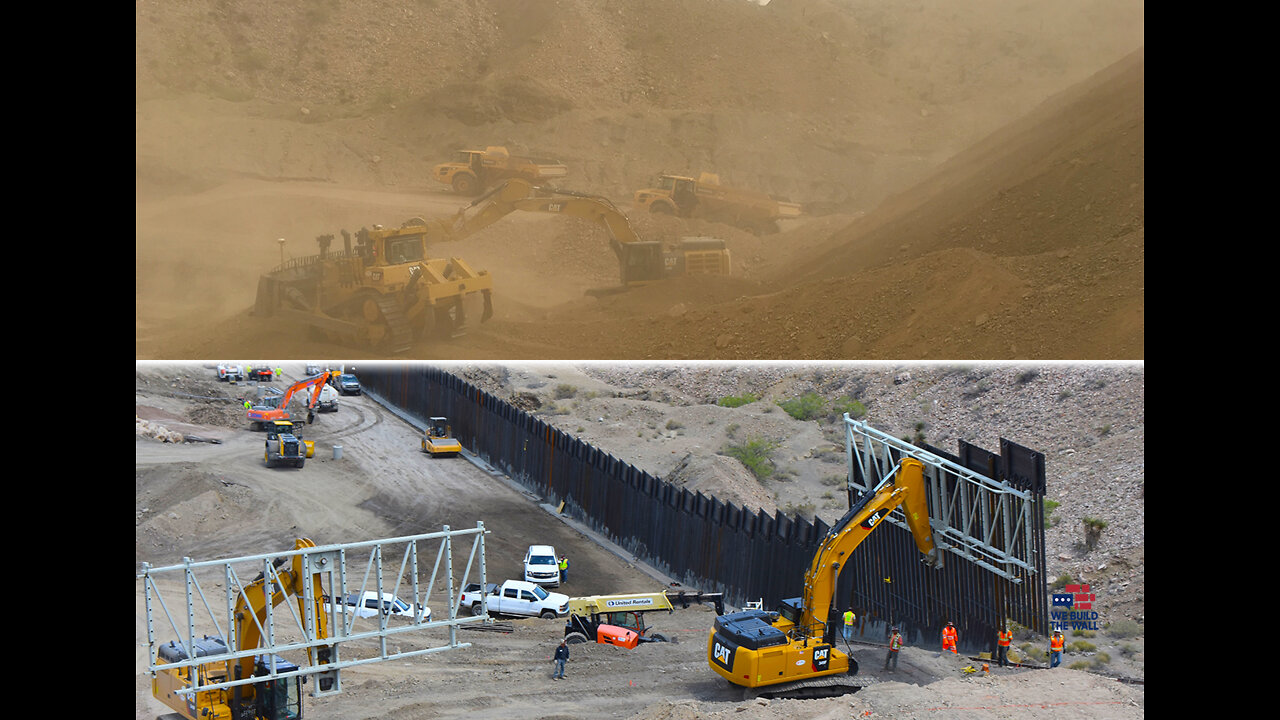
pixel 640 262
pixel 268 699
pixel 792 652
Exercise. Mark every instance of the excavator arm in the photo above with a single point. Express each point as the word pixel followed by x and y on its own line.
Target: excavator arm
pixel 639 260
pixel 792 652
pixel 251 607
pixel 904 487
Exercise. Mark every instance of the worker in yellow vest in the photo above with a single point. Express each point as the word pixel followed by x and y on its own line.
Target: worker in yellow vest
pixel 1003 639
pixel 564 569
pixel 849 619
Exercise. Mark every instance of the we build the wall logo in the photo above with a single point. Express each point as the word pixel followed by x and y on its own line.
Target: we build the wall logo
pixel 1073 609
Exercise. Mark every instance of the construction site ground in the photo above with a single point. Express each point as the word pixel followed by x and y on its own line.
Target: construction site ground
pixel 214 500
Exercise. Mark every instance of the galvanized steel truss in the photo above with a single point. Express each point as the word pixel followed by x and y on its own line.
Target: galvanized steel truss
pixel 989 523
pixel 289 633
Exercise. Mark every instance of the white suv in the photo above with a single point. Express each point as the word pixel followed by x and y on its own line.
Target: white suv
pixel 541 565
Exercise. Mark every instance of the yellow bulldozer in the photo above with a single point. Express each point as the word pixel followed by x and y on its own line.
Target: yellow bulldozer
pixel 384 293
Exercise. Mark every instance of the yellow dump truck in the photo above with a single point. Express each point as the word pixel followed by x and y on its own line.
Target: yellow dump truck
pixel 704 197
pixel 471 171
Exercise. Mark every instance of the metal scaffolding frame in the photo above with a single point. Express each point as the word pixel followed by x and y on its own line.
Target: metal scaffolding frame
pixel 201 614
pixel 987 522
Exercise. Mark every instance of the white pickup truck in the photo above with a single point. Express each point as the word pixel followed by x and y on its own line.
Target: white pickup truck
pixel 514 597
pixel 366 605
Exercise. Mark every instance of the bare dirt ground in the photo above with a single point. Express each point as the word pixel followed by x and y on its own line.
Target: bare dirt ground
pixel 976 172
pixel 205 500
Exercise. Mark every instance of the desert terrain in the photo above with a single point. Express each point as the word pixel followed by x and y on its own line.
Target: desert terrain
pixel 212 500
pixel 974 174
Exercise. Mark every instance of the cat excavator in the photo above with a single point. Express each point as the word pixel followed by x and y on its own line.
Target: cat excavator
pixel 792 652
pixel 268 699
pixel 640 262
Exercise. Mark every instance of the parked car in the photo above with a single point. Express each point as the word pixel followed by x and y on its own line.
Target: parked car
pixel 541 566
pixel 230 372
pixel 366 605
pixel 313 369
pixel 347 384
pixel 514 597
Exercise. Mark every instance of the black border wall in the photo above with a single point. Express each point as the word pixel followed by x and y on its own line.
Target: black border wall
pixel 745 553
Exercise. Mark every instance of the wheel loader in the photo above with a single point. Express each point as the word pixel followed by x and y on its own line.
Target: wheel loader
pixel 383 294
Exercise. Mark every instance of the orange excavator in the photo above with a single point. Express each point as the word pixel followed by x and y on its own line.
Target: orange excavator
pixel 261 415
pixel 272 698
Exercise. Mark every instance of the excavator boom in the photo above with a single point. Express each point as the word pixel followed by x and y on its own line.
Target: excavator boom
pixel 639 261
pixel 791 652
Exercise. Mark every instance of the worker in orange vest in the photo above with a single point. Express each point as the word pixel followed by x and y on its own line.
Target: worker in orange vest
pixel 1003 638
pixel 895 646
pixel 949 638
pixel 1056 645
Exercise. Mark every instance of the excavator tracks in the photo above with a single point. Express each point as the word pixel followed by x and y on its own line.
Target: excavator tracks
pixel 821 687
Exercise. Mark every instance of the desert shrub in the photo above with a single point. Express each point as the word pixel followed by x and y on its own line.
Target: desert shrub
pixel 1080 665
pixel 848 405
pixel 674 424
pixel 733 401
pixel 1035 652
pixel 1049 507
pixel 756 455
pixel 806 407
pixel 1124 629
pixel 804 510
pixel 565 391
pixel 1082 646
pixel 1093 528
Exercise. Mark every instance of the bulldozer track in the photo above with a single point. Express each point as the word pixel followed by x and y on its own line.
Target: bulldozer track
pixel 399 333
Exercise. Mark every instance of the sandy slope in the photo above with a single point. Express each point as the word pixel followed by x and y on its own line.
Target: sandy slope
pixel 1027 243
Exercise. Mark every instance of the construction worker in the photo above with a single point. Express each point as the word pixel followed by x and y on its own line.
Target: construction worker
pixel 279 373
pixel 564 569
pixel 895 645
pixel 248 405
pixel 561 657
pixel 1003 638
pixel 1056 645
pixel 949 638
pixel 849 619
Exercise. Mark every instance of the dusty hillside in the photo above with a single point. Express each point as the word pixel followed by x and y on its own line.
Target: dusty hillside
pixel 1029 244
